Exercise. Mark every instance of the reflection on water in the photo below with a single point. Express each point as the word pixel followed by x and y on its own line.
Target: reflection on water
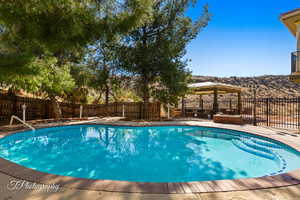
pixel 152 154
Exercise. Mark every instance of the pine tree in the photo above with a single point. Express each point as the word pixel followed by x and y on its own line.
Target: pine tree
pixel 155 51
pixel 40 40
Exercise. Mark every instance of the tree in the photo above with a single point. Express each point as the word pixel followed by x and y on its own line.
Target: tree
pixel 102 63
pixel 55 33
pixel 154 51
pixel 80 93
pixel 49 80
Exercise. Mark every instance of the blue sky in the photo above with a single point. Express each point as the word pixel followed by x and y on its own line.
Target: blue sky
pixel 243 38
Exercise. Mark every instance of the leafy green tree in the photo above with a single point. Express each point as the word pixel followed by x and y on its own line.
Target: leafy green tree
pixel 102 63
pixel 80 93
pixel 106 75
pixel 49 81
pixel 55 34
pixel 155 51
pixel 122 90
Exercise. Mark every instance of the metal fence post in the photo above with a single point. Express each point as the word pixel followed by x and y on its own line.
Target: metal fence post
pixel 268 112
pixel 254 109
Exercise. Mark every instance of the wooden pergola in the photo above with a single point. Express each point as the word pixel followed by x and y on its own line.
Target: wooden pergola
pixel 208 88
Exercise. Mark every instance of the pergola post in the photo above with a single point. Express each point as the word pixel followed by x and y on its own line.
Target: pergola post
pixel 215 105
pixel 239 103
pixel 200 102
pixel 182 106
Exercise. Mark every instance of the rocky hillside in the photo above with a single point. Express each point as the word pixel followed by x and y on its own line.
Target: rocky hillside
pixel 268 85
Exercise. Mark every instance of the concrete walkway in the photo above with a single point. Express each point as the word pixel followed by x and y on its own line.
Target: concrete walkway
pixel 285 193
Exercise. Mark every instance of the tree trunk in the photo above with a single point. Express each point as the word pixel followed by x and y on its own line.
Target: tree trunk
pixel 56 111
pixel 106 99
pixel 146 99
pixel 106 94
pixel 145 80
pixel 106 87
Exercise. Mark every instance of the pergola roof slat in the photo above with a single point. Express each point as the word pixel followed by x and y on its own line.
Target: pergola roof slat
pixel 210 87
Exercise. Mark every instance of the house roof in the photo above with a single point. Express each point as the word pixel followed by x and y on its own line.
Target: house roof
pixel 290 19
pixel 290 12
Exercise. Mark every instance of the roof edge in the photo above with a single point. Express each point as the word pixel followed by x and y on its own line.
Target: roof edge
pixel 289 13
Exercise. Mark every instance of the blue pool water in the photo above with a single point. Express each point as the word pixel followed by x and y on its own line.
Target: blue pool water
pixel 148 154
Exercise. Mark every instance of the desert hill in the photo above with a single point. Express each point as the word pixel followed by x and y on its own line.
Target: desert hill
pixel 267 86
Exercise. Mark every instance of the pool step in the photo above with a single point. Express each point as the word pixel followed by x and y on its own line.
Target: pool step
pixel 241 145
pixel 250 143
pixel 247 145
pixel 266 144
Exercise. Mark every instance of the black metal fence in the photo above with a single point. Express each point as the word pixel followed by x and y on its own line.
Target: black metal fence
pixel 273 112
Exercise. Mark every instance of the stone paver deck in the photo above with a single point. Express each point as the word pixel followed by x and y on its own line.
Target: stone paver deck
pixel 284 186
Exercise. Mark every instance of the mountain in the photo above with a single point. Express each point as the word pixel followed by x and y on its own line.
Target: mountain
pixel 267 86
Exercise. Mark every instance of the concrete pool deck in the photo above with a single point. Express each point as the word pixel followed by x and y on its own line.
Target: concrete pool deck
pixel 284 186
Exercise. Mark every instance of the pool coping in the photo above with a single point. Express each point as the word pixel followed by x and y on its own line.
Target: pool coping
pixel 267 182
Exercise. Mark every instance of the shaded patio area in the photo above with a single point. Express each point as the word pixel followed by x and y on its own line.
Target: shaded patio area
pixel 210 88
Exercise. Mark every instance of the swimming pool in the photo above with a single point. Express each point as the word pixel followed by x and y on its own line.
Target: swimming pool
pixel 148 154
